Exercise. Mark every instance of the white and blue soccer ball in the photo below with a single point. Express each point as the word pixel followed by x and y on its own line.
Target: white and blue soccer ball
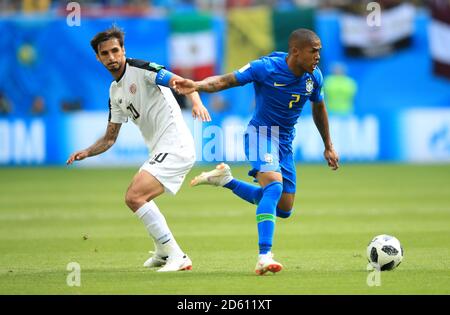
pixel 384 252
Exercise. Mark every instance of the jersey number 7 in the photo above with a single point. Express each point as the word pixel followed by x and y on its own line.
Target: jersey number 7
pixel 295 100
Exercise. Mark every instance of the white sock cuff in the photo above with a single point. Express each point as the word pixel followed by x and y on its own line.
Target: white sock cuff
pixel 143 210
pixel 153 205
pixel 146 207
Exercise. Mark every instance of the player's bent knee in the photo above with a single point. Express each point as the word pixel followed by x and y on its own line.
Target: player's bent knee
pixel 133 201
pixel 129 201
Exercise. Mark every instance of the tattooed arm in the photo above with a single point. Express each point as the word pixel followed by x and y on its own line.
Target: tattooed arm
pixel 100 146
pixel 210 84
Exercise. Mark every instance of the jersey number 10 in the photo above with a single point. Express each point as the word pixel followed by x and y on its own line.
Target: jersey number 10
pixel 133 111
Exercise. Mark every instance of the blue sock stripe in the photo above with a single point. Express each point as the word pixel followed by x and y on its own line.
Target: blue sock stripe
pixel 265 217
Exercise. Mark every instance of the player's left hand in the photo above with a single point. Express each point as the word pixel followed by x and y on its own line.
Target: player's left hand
pixel 332 158
pixel 200 111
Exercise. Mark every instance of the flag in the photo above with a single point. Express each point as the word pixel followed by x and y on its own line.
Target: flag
pixel 257 31
pixel 192 45
pixel 249 36
pixel 394 32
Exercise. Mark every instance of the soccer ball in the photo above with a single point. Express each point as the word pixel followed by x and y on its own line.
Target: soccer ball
pixel 384 252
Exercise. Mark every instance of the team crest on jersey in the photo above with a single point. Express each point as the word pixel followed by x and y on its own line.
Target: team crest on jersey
pixel 309 86
pixel 133 88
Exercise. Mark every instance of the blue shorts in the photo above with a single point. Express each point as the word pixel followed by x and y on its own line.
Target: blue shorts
pixel 267 154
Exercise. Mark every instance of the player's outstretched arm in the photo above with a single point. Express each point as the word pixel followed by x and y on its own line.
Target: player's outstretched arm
pixel 320 117
pixel 210 84
pixel 102 144
pixel 198 109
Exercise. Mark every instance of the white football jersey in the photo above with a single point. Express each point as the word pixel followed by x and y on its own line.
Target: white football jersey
pixel 152 107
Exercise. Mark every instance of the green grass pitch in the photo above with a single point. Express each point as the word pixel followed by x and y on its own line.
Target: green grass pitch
pixel 50 217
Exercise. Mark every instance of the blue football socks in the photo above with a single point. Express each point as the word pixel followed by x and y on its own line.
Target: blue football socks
pixel 252 194
pixel 265 215
pixel 248 192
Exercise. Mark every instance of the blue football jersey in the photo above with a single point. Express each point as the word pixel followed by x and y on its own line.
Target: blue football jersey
pixel 280 95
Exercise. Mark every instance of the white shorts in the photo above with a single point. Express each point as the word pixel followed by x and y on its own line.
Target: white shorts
pixel 170 162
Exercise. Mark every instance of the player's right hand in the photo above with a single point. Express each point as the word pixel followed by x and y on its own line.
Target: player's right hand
pixel 332 158
pixel 184 86
pixel 77 156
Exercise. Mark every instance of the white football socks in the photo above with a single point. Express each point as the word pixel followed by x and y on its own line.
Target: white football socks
pixel 158 229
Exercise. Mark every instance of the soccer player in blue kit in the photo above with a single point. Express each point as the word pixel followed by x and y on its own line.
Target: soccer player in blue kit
pixel 283 82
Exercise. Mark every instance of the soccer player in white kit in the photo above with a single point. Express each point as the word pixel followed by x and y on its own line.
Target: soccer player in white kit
pixel 140 93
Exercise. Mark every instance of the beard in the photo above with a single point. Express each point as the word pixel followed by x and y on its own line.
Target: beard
pixel 114 66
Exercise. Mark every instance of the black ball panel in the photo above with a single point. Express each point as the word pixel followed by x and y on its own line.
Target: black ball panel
pixel 374 255
pixel 390 250
pixel 388 266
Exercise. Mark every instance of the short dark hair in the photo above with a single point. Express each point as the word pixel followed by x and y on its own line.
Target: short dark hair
pixel 300 37
pixel 112 32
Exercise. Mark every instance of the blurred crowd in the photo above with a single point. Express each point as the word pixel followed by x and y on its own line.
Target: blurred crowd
pixel 340 88
pixel 27 6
